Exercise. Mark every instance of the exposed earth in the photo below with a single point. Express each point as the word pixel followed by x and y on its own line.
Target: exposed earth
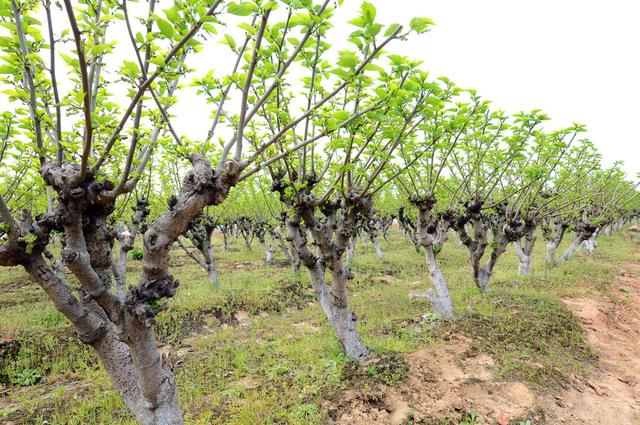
pixel 451 379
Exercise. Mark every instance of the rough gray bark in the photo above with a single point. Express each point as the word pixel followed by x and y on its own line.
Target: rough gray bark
pixel 92 323
pixel 431 233
pixel 331 237
pixel 334 301
pixel 126 239
pixel 503 234
pixel 584 231
pixel 476 245
pixel 524 251
pixel 351 250
pixel 553 234
pixel 200 233
pixel 120 331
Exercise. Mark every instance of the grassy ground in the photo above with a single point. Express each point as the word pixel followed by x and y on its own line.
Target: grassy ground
pixel 283 362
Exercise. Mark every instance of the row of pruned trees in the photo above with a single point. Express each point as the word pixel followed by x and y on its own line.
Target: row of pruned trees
pixel 86 130
pixel 89 136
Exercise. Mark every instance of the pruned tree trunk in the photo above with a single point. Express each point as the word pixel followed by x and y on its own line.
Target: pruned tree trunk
pixel 121 331
pixel 525 259
pixel 476 245
pixel 351 250
pixel 552 247
pixel 575 244
pixel 553 234
pixel 439 295
pixel 334 300
pixel 503 234
pixel 525 252
pixel 481 278
pixel 343 319
pixel 127 239
pixel 200 233
pixel 431 233
pixel 268 251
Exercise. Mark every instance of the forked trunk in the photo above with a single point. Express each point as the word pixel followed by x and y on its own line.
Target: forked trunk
pixel 482 275
pixel 525 253
pixel 334 300
pixel 431 234
pixel 160 405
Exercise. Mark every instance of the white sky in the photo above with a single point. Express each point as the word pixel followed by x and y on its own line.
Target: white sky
pixel 577 60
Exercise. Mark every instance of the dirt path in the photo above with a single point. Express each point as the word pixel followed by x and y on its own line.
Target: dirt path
pixel 611 395
pixel 445 380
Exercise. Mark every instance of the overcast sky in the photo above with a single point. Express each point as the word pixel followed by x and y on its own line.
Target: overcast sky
pixel 577 60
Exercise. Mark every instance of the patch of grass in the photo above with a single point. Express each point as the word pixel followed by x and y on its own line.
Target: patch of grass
pixel 533 338
pixel 389 368
pixel 179 321
pixel 54 355
pixel 283 367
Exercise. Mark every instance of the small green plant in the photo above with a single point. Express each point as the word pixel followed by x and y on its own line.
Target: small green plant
pixel 389 368
pixel 51 319
pixel 137 254
pixel 27 377
pixel 6 411
pixel 527 422
pixel 304 412
pixel 470 418
pixel 431 317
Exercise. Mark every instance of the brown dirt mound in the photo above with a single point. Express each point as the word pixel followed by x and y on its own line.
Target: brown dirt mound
pixel 449 380
pixel 444 381
pixel 611 396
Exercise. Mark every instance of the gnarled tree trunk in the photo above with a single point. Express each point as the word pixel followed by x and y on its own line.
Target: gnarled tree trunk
pixel 431 233
pixel 334 300
pixel 525 251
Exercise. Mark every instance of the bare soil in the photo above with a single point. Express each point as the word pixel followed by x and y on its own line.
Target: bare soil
pixel 611 395
pixel 447 381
